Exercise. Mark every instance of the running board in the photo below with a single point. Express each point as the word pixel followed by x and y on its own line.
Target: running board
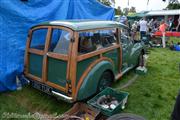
pixel 122 73
pixel 126 70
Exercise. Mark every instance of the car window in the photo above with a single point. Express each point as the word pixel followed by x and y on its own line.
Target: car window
pixel 91 41
pixel 124 35
pixel 124 32
pixel 60 40
pixel 38 39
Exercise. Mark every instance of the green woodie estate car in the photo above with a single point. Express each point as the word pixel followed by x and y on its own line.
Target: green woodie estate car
pixel 75 59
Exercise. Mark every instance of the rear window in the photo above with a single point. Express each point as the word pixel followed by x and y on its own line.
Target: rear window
pixel 38 39
pixel 60 40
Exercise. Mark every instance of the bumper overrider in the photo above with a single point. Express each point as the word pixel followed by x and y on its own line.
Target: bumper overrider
pixel 45 88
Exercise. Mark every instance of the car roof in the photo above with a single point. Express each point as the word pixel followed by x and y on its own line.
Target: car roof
pixel 78 25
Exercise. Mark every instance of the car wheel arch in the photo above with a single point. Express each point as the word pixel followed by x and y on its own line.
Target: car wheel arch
pixel 110 79
pixel 96 71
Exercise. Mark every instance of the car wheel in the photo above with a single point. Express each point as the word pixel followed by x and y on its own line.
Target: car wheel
pixel 105 81
pixel 141 60
pixel 125 116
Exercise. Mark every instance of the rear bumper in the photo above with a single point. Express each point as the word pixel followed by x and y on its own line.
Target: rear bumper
pixel 47 89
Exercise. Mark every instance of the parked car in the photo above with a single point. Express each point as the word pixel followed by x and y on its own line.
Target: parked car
pixel 74 59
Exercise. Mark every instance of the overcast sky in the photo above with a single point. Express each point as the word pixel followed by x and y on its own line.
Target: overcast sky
pixel 142 4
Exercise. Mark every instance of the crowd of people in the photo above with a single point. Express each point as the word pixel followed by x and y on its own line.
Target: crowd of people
pixel 144 26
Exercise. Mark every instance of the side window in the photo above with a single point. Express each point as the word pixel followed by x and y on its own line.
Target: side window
pixel 124 35
pixel 60 40
pixel 124 32
pixel 99 39
pixel 38 39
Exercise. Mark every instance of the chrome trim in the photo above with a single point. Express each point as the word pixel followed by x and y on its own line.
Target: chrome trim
pixel 24 78
pixel 63 97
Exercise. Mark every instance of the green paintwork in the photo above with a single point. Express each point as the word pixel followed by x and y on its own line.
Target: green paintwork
pixel 90 84
pixel 130 52
pixel 57 71
pixel 83 65
pixel 35 65
pixel 78 25
pixel 135 53
pixel 113 55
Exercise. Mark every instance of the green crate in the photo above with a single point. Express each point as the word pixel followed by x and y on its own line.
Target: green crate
pixel 119 95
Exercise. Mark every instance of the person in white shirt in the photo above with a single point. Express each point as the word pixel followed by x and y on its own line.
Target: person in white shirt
pixel 143 27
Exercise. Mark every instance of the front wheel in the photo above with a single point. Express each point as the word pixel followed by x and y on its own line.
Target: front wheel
pixel 106 80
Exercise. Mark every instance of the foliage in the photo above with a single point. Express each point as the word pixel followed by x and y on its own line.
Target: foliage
pixel 125 11
pixel 173 6
pixel 132 10
pixel 118 11
pixel 106 2
pixel 173 1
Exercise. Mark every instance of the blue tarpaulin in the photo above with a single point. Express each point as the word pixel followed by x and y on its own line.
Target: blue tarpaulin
pixel 16 17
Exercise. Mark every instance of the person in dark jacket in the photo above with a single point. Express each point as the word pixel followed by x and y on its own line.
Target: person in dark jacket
pixel 176 112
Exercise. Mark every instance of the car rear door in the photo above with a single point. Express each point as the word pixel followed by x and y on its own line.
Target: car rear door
pixel 35 53
pixel 47 56
pixel 58 59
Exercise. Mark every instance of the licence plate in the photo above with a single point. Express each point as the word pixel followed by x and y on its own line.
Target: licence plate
pixel 41 87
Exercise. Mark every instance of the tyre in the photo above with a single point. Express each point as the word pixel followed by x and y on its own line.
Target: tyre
pixel 106 80
pixel 125 116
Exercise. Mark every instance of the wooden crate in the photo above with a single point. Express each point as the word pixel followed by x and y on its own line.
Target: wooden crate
pixel 83 111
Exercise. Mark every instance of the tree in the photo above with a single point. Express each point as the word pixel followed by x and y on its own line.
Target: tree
pixel 173 1
pixel 118 11
pixel 170 1
pixel 125 11
pixel 173 4
pixel 106 2
pixel 132 9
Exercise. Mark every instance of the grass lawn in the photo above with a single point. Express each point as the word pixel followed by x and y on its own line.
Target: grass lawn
pixel 151 95
pixel 174 39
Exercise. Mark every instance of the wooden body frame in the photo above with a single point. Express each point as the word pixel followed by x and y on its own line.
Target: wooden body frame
pixel 72 58
pixel 45 55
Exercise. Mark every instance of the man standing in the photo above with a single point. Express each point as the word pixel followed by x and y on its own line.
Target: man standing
pixel 143 27
pixel 163 28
